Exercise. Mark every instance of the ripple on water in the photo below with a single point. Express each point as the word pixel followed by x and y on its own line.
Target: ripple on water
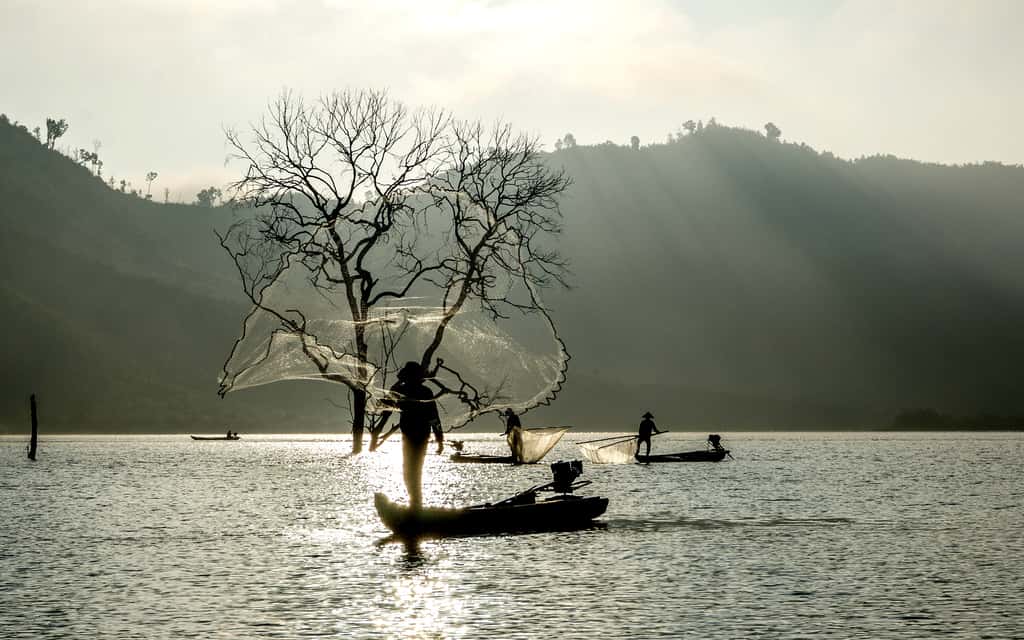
pixel 804 535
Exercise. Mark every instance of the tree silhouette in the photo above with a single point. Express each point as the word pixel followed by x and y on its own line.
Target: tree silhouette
pixel 772 132
pixel 485 190
pixel 634 142
pixel 569 141
pixel 208 197
pixel 54 130
pixel 150 177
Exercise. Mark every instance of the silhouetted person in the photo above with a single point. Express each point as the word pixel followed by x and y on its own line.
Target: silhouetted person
pixel 715 441
pixel 417 418
pixel 514 434
pixel 511 421
pixel 647 427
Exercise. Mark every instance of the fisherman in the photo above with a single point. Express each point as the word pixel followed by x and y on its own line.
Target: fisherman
pixel 418 417
pixel 511 421
pixel 647 427
pixel 715 442
pixel 514 434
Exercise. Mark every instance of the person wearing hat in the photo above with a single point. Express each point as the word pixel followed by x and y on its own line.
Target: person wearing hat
pixel 417 418
pixel 647 427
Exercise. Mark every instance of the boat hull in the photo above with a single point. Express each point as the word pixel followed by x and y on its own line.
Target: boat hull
pixel 213 438
pixel 560 513
pixel 687 456
pixel 480 458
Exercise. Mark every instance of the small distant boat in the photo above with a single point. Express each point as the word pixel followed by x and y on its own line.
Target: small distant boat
pixel 528 445
pixel 715 452
pixel 480 458
pixel 520 513
pixel 686 456
pixel 622 450
pixel 215 437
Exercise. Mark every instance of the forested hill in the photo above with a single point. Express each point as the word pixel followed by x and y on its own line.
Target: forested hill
pixel 724 280
pixel 117 312
pixel 731 262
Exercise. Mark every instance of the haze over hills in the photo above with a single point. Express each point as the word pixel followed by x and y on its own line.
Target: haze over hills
pixel 724 280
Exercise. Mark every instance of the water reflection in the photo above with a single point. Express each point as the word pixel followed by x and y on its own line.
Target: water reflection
pixel 806 535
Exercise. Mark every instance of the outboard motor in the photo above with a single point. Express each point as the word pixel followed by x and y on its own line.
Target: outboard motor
pixel 564 474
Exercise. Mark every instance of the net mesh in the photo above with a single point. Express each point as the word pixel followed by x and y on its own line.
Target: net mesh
pixel 518 364
pixel 530 445
pixel 621 452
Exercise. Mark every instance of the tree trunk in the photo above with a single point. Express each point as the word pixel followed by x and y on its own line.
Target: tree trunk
pixel 358 419
pixel 35 429
pixel 374 435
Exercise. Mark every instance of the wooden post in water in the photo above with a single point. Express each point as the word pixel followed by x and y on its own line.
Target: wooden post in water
pixel 35 429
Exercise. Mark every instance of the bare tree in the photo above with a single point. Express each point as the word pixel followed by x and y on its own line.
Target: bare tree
pixel 485 189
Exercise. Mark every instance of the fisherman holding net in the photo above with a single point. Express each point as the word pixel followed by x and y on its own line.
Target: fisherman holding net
pixel 647 428
pixel 418 416
pixel 514 435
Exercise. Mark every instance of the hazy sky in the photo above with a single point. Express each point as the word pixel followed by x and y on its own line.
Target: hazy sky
pixel 157 80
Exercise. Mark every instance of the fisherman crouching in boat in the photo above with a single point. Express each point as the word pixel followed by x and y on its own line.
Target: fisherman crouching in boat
pixel 647 428
pixel 417 418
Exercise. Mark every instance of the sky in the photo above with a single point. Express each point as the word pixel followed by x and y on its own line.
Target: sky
pixel 156 82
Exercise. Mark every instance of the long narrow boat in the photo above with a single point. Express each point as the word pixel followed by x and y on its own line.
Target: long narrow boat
pixel 215 438
pixel 558 513
pixel 686 456
pixel 480 458
pixel 529 446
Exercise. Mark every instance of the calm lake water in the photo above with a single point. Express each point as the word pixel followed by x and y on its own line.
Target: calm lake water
pixel 845 535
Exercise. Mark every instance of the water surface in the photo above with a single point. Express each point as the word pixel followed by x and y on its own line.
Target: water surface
pixel 877 535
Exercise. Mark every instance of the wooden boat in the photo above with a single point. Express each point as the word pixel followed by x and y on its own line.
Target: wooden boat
pixel 215 438
pixel 529 445
pixel 558 513
pixel 686 456
pixel 480 458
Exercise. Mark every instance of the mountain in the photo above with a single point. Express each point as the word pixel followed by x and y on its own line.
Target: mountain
pixel 730 262
pixel 118 311
pixel 721 281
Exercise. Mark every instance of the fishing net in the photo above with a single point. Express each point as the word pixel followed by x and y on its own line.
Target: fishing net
pixel 530 445
pixel 302 328
pixel 620 452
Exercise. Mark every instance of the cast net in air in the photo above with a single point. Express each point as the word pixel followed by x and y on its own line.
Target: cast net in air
pixel 618 452
pixel 530 445
pixel 302 327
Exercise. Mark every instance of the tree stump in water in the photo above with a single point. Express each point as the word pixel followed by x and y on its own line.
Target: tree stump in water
pixel 35 429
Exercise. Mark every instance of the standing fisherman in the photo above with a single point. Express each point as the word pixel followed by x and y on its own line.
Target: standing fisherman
pixel 514 435
pixel 647 427
pixel 417 418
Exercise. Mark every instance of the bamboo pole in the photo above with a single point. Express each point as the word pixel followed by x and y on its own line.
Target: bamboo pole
pixel 619 437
